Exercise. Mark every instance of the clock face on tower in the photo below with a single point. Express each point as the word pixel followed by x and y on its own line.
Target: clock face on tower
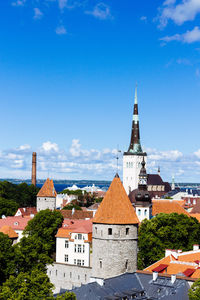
pixel 142 181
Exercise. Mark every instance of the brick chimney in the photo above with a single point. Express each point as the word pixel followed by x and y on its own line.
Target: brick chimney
pixel 34 168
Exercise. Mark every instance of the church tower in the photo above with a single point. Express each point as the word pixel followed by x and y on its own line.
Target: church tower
pixel 143 203
pixel 114 234
pixel 132 159
pixel 46 197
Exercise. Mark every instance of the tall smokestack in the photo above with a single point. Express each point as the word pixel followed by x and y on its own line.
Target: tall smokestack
pixel 34 168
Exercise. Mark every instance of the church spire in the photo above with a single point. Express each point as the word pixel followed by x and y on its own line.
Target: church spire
pixel 135 146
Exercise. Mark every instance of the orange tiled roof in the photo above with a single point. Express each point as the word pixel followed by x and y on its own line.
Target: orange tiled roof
pixel 116 207
pixel 197 216
pixel 184 261
pixel 47 190
pixel 16 223
pixel 167 207
pixel 9 231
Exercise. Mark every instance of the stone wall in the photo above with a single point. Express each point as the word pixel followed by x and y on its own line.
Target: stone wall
pixel 65 276
pixel 115 253
pixel 46 202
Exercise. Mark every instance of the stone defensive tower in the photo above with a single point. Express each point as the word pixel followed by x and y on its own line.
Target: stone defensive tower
pixel 34 156
pixel 132 159
pixel 46 197
pixel 114 234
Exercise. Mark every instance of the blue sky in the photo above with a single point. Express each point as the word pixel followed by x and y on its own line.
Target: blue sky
pixel 67 75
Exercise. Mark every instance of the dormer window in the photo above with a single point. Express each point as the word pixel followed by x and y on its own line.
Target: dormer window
pixel 16 223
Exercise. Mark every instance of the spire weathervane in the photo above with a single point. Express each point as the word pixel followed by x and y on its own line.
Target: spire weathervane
pixel 117 157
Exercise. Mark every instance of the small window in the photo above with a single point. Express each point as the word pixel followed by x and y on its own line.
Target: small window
pixel 101 232
pixel 66 244
pixel 95 229
pixel 100 263
pixel 145 212
pixel 79 236
pixel 83 248
pixel 79 248
pixel 78 262
pixel 75 248
pixel 126 264
pixel 109 231
pixel 85 277
pixel 56 272
pixel 78 277
pixel 75 261
pixel 70 274
pixel 83 262
pixel 66 257
pixel 139 212
pixel 127 231
pixel 64 275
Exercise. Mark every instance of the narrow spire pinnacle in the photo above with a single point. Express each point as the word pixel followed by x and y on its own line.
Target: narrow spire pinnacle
pixel 136 101
pixel 135 146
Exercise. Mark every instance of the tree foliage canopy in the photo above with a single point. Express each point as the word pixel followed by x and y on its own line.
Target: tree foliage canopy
pixel 7 207
pixel 194 292
pixel 43 227
pixel 166 231
pixel 23 194
pixel 7 256
pixel 30 286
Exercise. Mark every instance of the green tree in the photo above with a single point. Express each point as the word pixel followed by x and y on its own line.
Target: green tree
pixel 44 227
pixel 31 253
pixel 172 231
pixel 7 265
pixel 33 286
pixel 70 206
pixel 194 291
pixel 7 207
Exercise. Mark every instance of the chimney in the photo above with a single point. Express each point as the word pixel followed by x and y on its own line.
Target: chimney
pixel 34 168
pixel 195 247
pixel 173 279
pixel 155 276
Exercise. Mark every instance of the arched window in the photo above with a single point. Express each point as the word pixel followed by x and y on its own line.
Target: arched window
pixel 139 212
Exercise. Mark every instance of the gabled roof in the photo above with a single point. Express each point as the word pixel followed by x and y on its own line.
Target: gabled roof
pixel 16 223
pixel 47 190
pixel 9 231
pixel 154 179
pixel 116 207
pixel 167 207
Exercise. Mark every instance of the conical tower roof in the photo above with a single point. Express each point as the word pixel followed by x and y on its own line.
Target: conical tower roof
pixel 47 190
pixel 116 207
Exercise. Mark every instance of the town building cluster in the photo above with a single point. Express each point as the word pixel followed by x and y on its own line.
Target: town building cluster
pixel 96 248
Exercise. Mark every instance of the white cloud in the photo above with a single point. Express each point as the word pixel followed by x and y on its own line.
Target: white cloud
pixel 186 10
pixel 37 13
pixel 171 155
pixel 197 73
pixel 49 147
pixel 187 37
pixel 101 11
pixel 61 30
pixel 62 4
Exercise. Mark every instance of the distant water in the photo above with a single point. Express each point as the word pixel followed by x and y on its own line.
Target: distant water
pixel 103 185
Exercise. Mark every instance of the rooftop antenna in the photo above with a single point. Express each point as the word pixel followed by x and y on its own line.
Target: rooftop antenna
pixel 117 157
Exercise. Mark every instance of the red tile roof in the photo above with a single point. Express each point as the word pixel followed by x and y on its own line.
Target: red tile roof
pixel 16 223
pixel 116 207
pixel 188 272
pixel 160 268
pixel 76 226
pixel 27 211
pixel 78 214
pixel 47 190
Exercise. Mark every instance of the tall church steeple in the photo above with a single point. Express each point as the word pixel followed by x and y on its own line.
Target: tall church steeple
pixel 132 159
pixel 135 146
